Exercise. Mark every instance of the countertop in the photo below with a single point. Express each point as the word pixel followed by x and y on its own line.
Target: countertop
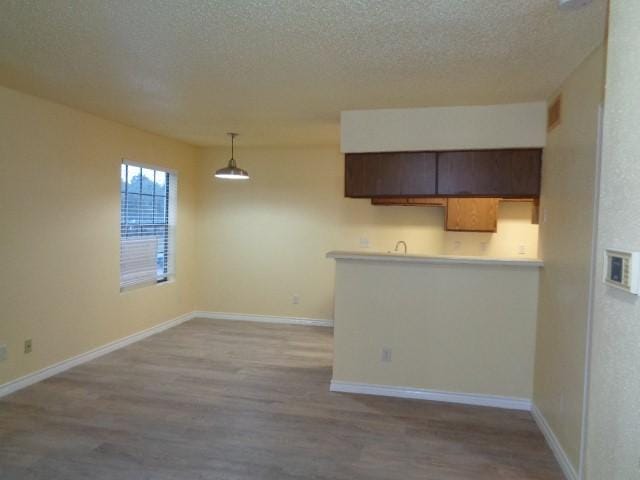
pixel 434 259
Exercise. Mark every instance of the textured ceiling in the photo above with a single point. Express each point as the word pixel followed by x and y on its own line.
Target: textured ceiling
pixel 280 71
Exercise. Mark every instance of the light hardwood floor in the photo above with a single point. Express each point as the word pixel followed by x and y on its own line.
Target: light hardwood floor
pixel 238 401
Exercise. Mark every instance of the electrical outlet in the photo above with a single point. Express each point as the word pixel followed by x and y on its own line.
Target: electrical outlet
pixel 457 244
pixel 484 246
pixel 522 249
pixel 3 352
pixel 386 354
pixel 295 299
pixel 364 242
pixel 28 346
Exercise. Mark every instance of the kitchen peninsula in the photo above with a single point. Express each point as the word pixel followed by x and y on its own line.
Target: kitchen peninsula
pixel 459 329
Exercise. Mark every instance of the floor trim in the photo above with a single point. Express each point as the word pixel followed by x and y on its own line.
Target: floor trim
pixel 245 317
pixel 561 456
pixel 37 376
pixel 433 395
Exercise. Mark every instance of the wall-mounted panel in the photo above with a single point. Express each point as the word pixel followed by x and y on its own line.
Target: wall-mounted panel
pixel 521 125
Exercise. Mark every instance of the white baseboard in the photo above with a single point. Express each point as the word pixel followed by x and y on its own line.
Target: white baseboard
pixel 433 395
pixel 30 379
pixel 565 464
pixel 244 317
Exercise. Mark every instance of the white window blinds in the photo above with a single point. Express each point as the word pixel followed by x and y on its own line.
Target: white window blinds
pixel 147 225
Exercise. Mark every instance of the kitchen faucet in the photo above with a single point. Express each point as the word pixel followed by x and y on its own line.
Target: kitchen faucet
pixel 403 243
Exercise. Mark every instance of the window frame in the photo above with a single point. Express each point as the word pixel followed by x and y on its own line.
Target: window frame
pixel 170 176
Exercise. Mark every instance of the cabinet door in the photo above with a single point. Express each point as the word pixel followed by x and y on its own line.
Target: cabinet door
pixel 472 214
pixel 390 174
pixel 505 173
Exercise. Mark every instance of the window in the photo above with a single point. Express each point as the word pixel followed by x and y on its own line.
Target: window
pixel 147 225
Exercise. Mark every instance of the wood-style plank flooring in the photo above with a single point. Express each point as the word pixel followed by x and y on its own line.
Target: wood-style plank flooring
pixel 244 401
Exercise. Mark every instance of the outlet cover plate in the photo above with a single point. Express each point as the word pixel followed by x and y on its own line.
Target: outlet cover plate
pixel 386 354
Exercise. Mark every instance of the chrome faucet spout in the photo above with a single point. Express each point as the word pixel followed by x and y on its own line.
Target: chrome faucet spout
pixel 404 245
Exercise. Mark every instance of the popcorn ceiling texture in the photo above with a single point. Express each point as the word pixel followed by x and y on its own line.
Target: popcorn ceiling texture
pixel 613 428
pixel 280 71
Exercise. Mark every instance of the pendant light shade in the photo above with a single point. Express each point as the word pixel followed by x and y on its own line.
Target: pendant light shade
pixel 232 171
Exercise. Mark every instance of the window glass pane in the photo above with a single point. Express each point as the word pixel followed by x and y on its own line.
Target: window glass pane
pixel 148 231
pixel 122 209
pixel 147 181
pixel 146 209
pixel 160 210
pixel 133 178
pixel 123 176
pixel 128 230
pixel 161 183
pixel 160 261
pixel 132 214
pixel 123 203
pixel 144 219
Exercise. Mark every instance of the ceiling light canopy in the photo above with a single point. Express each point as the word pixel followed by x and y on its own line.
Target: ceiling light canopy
pixel 232 171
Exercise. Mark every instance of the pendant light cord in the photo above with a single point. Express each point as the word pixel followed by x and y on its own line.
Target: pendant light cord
pixel 232 162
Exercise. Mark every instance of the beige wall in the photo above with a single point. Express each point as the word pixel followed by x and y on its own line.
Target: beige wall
pixel 613 428
pixel 566 242
pixel 444 324
pixel 515 234
pixel 444 128
pixel 59 240
pixel 263 241
pixel 60 199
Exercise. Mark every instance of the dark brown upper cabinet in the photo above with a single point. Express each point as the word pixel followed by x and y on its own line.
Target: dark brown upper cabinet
pixel 503 173
pixel 390 174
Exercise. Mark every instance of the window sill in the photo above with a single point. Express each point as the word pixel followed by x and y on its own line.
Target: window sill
pixel 139 286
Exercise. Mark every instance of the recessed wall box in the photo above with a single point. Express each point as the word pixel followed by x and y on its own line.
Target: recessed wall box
pixel 622 270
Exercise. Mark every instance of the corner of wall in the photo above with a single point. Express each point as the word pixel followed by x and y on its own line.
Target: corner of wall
pixel 566 246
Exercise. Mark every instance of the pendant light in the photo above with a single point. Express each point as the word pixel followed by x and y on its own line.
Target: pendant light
pixel 231 171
